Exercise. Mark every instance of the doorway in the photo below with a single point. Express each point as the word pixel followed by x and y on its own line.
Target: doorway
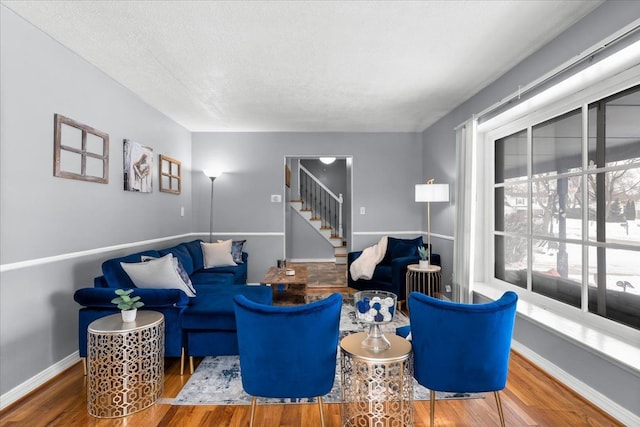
pixel 314 184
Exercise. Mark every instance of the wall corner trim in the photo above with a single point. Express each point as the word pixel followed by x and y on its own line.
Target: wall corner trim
pixel 37 380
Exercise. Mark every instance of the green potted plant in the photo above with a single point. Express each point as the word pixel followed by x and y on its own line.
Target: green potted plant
pixel 127 304
pixel 424 257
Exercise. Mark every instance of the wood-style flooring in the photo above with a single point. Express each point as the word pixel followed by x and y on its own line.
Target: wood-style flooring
pixel 531 398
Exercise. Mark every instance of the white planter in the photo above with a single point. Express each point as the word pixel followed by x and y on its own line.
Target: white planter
pixel 129 315
pixel 423 264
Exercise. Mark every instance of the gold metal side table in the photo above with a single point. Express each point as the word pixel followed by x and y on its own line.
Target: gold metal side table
pixel 426 280
pixel 126 364
pixel 377 388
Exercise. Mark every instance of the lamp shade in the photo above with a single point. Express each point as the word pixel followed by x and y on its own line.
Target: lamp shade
pixel 212 173
pixel 432 192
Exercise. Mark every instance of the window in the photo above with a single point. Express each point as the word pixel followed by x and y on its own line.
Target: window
pixel 567 208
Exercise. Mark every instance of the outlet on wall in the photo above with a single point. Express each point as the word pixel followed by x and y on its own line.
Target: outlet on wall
pixel 276 198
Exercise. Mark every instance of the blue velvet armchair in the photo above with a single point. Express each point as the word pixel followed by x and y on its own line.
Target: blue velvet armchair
pixel 390 274
pixel 461 347
pixel 288 351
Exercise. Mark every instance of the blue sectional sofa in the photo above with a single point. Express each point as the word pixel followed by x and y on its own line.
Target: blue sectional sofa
pixel 203 325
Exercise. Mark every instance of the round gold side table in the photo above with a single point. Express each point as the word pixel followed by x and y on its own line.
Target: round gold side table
pixel 426 280
pixel 126 364
pixel 377 388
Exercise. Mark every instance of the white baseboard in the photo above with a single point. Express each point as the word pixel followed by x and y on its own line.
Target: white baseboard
pixel 36 381
pixel 312 260
pixel 607 405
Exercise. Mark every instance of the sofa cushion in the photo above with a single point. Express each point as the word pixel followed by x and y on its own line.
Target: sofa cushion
pixel 115 276
pixel 182 253
pixel 213 308
pixel 217 254
pixel 158 273
pixel 402 248
pixel 383 273
pixel 195 250
pixel 208 277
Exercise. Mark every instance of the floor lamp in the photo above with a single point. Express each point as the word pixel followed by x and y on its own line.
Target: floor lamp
pixel 431 192
pixel 212 175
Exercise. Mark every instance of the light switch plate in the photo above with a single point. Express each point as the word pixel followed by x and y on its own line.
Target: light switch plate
pixel 362 210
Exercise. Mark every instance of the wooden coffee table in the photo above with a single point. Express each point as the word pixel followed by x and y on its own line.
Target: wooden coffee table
pixel 287 289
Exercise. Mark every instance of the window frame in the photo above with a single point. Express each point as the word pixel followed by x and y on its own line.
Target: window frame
pixel 486 136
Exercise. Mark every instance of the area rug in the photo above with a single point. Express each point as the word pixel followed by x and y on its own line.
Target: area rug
pixel 217 380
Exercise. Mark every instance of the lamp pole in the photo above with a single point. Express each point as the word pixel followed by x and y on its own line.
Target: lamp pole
pixel 212 174
pixel 212 178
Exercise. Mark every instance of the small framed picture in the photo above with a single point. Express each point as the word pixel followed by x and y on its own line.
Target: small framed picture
pixel 138 167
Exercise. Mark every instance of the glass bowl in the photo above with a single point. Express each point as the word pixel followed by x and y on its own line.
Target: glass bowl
pixel 375 308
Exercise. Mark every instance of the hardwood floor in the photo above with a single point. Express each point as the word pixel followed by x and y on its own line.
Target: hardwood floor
pixel 531 398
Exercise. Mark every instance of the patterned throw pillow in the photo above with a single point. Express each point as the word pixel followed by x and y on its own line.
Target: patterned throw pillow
pixel 236 250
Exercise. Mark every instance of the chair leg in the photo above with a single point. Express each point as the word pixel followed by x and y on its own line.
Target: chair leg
pixel 321 404
pixel 84 365
pixel 253 411
pixel 432 397
pixel 499 404
pixel 182 362
pixel 191 364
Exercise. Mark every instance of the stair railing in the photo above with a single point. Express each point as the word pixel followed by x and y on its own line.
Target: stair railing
pixel 322 202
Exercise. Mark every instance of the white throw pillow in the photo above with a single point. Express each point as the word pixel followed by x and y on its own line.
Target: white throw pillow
pixel 179 269
pixel 217 254
pixel 156 273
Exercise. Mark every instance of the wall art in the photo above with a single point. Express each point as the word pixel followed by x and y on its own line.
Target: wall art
pixel 80 151
pixel 170 173
pixel 138 167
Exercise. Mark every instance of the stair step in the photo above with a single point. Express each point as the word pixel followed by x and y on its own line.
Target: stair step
pixel 340 250
pixel 341 259
pixel 336 243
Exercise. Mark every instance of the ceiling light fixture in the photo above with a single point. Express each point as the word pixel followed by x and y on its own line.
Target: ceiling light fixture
pixel 327 160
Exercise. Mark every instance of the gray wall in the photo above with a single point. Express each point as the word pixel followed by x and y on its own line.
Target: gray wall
pixel 255 165
pixel 44 216
pixel 439 162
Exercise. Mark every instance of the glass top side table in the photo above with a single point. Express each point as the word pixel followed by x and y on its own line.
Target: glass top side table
pixel 377 387
pixel 125 364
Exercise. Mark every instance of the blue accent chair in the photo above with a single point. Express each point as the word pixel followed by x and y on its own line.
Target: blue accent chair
pixel 390 274
pixel 288 351
pixel 461 347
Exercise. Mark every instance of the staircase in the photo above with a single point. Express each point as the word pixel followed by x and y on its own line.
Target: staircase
pixel 322 210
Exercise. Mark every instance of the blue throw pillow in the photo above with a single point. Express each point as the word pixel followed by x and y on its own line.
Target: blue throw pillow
pixel 402 248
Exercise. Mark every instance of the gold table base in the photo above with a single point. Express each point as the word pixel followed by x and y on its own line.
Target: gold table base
pixel 427 281
pixel 377 387
pixel 126 364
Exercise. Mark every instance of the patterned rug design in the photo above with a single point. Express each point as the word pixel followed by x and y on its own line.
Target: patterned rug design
pixel 217 380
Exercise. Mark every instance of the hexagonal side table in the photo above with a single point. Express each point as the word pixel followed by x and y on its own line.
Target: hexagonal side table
pixel 125 364
pixel 377 387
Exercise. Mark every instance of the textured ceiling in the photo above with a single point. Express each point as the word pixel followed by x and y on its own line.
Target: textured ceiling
pixel 302 65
